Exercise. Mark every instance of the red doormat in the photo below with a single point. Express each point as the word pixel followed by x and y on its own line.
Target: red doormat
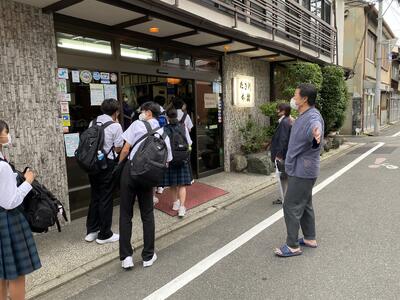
pixel 196 194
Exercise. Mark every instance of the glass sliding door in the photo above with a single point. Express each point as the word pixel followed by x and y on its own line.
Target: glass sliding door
pixel 209 128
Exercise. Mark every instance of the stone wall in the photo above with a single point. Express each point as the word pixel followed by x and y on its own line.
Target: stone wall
pixel 28 101
pixel 235 117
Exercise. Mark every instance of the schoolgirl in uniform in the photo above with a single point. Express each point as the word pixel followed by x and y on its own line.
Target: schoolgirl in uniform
pixel 178 177
pixel 18 254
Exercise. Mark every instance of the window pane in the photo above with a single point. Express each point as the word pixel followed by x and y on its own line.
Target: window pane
pixel 177 59
pixel 327 12
pixel 76 42
pixel 206 64
pixel 138 52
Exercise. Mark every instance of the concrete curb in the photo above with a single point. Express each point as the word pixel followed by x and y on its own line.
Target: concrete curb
pixel 41 289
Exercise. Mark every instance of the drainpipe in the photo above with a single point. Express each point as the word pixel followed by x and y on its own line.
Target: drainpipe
pixel 335 26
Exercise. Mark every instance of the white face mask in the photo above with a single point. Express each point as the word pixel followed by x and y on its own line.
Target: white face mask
pixel 293 104
pixel 142 117
pixel 8 144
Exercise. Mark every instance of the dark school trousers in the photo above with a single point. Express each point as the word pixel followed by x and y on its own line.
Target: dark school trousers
pixel 129 190
pixel 298 210
pixel 101 203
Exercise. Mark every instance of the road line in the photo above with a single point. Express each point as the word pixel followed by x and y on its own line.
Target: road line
pixel 179 282
pixel 396 134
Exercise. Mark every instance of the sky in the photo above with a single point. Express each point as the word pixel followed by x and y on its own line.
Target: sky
pixel 392 16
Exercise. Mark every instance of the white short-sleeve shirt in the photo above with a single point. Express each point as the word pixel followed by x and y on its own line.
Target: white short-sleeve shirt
pixel 112 135
pixel 188 121
pixel 137 130
pixel 11 196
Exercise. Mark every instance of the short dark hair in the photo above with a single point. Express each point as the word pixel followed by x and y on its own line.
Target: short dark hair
pixel 178 103
pixel 285 108
pixel 109 106
pixel 172 115
pixel 153 107
pixel 308 90
pixel 160 100
pixel 4 125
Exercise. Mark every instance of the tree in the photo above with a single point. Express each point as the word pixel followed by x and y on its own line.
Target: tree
pixel 301 73
pixel 333 98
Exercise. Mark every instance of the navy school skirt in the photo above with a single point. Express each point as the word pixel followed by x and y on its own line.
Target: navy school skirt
pixel 178 176
pixel 18 253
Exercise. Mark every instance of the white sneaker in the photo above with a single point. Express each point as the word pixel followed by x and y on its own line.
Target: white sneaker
pixel 112 239
pixel 127 263
pixel 176 205
pixel 91 237
pixel 155 200
pixel 159 190
pixel 182 211
pixel 150 262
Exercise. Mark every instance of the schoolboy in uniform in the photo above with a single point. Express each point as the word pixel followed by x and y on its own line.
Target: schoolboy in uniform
pixel 99 219
pixel 130 189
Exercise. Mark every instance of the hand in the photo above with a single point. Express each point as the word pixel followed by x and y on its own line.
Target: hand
pixel 30 176
pixel 317 134
pixel 279 158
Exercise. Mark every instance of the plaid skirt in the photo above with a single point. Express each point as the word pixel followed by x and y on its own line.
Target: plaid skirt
pixel 178 176
pixel 18 253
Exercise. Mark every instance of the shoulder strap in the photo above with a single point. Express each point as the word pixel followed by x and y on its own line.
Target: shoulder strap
pixel 183 118
pixel 150 131
pixel 148 126
pixel 106 124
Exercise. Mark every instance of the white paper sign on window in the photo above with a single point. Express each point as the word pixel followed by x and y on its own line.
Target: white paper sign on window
pixel 243 91
pixel 210 100
pixel 96 94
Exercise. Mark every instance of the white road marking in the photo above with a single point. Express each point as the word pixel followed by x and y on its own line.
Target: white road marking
pixel 179 282
pixel 396 134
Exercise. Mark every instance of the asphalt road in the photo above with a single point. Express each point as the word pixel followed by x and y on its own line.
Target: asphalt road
pixel 358 228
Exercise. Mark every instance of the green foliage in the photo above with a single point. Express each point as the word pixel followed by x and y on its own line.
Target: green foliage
pixel 269 109
pixel 301 73
pixel 254 137
pixel 329 81
pixel 333 101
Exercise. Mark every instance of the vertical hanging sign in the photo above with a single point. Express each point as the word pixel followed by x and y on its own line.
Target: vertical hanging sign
pixel 243 91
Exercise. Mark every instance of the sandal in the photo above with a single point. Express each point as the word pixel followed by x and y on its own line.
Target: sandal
pixel 286 252
pixel 304 244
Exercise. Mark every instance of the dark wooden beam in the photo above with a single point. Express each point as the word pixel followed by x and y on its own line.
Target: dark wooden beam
pixel 181 35
pixel 286 60
pixel 133 22
pixel 243 50
pixel 266 56
pixel 59 5
pixel 223 43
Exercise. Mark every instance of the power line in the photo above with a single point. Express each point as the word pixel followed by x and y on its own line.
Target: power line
pixel 387 8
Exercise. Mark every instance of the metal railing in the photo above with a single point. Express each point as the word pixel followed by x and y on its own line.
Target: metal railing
pixel 284 18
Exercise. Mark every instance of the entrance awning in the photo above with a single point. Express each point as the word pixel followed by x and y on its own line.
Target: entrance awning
pixel 125 18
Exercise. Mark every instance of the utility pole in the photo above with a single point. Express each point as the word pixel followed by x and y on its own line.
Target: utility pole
pixel 377 98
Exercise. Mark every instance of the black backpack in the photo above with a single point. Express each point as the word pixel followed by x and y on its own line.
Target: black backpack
pixel 90 142
pixel 40 206
pixel 179 144
pixel 149 163
pixel 41 209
